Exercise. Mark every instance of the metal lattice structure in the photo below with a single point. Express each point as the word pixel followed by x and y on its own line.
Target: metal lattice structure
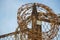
pixel 35 22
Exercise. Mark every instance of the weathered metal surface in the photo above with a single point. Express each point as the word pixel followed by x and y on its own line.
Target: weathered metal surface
pixel 34 15
pixel 31 14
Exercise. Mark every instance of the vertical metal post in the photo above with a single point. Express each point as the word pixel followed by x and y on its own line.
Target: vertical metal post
pixel 35 35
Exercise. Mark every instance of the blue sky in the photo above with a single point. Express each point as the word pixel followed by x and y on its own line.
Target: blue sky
pixel 9 8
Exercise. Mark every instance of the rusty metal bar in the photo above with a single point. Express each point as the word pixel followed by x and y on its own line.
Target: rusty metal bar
pixel 5 35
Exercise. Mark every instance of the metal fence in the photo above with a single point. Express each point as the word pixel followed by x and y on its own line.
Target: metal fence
pixel 18 36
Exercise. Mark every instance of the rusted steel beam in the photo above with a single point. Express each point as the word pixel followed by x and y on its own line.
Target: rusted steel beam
pixel 9 34
pixel 49 20
pixel 34 21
